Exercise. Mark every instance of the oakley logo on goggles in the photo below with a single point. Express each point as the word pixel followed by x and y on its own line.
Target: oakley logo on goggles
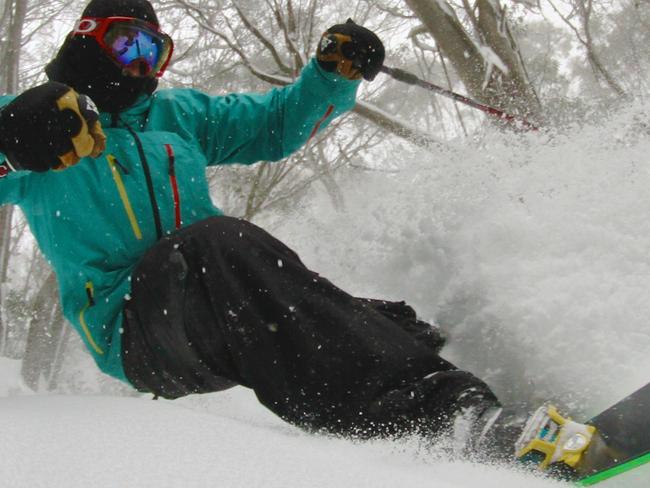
pixel 138 47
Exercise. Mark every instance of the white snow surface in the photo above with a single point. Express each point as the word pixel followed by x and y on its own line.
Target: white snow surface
pixel 531 252
pixel 58 441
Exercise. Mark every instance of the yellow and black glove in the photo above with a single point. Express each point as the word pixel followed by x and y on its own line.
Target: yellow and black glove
pixel 352 51
pixel 50 127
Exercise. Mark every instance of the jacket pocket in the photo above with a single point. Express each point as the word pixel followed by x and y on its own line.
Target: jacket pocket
pixel 116 167
pixel 90 293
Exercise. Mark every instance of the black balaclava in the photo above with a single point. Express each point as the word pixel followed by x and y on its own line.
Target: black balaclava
pixel 82 64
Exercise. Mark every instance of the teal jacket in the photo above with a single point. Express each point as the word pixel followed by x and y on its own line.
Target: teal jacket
pixel 94 221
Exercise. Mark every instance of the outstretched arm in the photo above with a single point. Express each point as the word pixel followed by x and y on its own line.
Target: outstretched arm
pixel 246 128
pixel 273 125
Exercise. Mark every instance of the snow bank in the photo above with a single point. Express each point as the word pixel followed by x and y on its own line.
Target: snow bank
pixel 109 442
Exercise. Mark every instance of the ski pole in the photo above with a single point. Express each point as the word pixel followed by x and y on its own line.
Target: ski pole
pixel 411 79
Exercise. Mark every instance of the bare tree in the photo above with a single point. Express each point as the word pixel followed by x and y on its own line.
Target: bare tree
pixel 483 52
pixel 11 29
pixel 47 337
pixel 257 49
pixel 579 20
pixel 247 192
pixel 21 22
pixel 627 54
pixel 12 24
pixel 276 54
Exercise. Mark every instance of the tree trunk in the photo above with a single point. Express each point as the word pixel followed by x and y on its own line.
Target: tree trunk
pixel 12 55
pixel 515 86
pixel 6 214
pixel 585 11
pixel 15 12
pixel 44 335
pixel 454 43
pixel 56 365
pixel 491 69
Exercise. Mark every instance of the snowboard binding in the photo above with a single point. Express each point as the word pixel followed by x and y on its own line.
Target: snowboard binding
pixel 550 440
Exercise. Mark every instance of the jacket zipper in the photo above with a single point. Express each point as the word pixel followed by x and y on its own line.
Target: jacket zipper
pixel 150 188
pixel 114 165
pixel 172 179
pixel 82 317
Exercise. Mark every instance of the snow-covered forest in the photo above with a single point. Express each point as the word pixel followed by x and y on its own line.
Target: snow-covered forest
pixel 528 248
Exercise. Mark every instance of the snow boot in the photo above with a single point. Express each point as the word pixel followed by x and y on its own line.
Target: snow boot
pixel 488 435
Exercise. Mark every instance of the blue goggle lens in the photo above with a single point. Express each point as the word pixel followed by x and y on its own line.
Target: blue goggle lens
pixel 131 45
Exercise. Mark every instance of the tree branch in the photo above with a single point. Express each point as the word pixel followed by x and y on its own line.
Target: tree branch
pixel 299 57
pixel 199 16
pixel 265 42
pixel 585 14
pixel 394 126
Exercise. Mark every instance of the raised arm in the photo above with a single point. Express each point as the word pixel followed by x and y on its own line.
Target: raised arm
pixel 246 128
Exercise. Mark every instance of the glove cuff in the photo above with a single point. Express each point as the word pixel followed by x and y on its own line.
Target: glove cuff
pixel 7 162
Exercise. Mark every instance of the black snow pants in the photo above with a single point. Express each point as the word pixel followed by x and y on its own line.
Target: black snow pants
pixel 222 302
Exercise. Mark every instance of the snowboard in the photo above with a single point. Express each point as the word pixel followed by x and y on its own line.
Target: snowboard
pixel 622 440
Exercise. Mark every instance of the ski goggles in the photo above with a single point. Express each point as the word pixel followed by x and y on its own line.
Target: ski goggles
pixel 138 47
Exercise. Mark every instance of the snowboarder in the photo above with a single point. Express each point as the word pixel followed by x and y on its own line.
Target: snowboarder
pixel 173 297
